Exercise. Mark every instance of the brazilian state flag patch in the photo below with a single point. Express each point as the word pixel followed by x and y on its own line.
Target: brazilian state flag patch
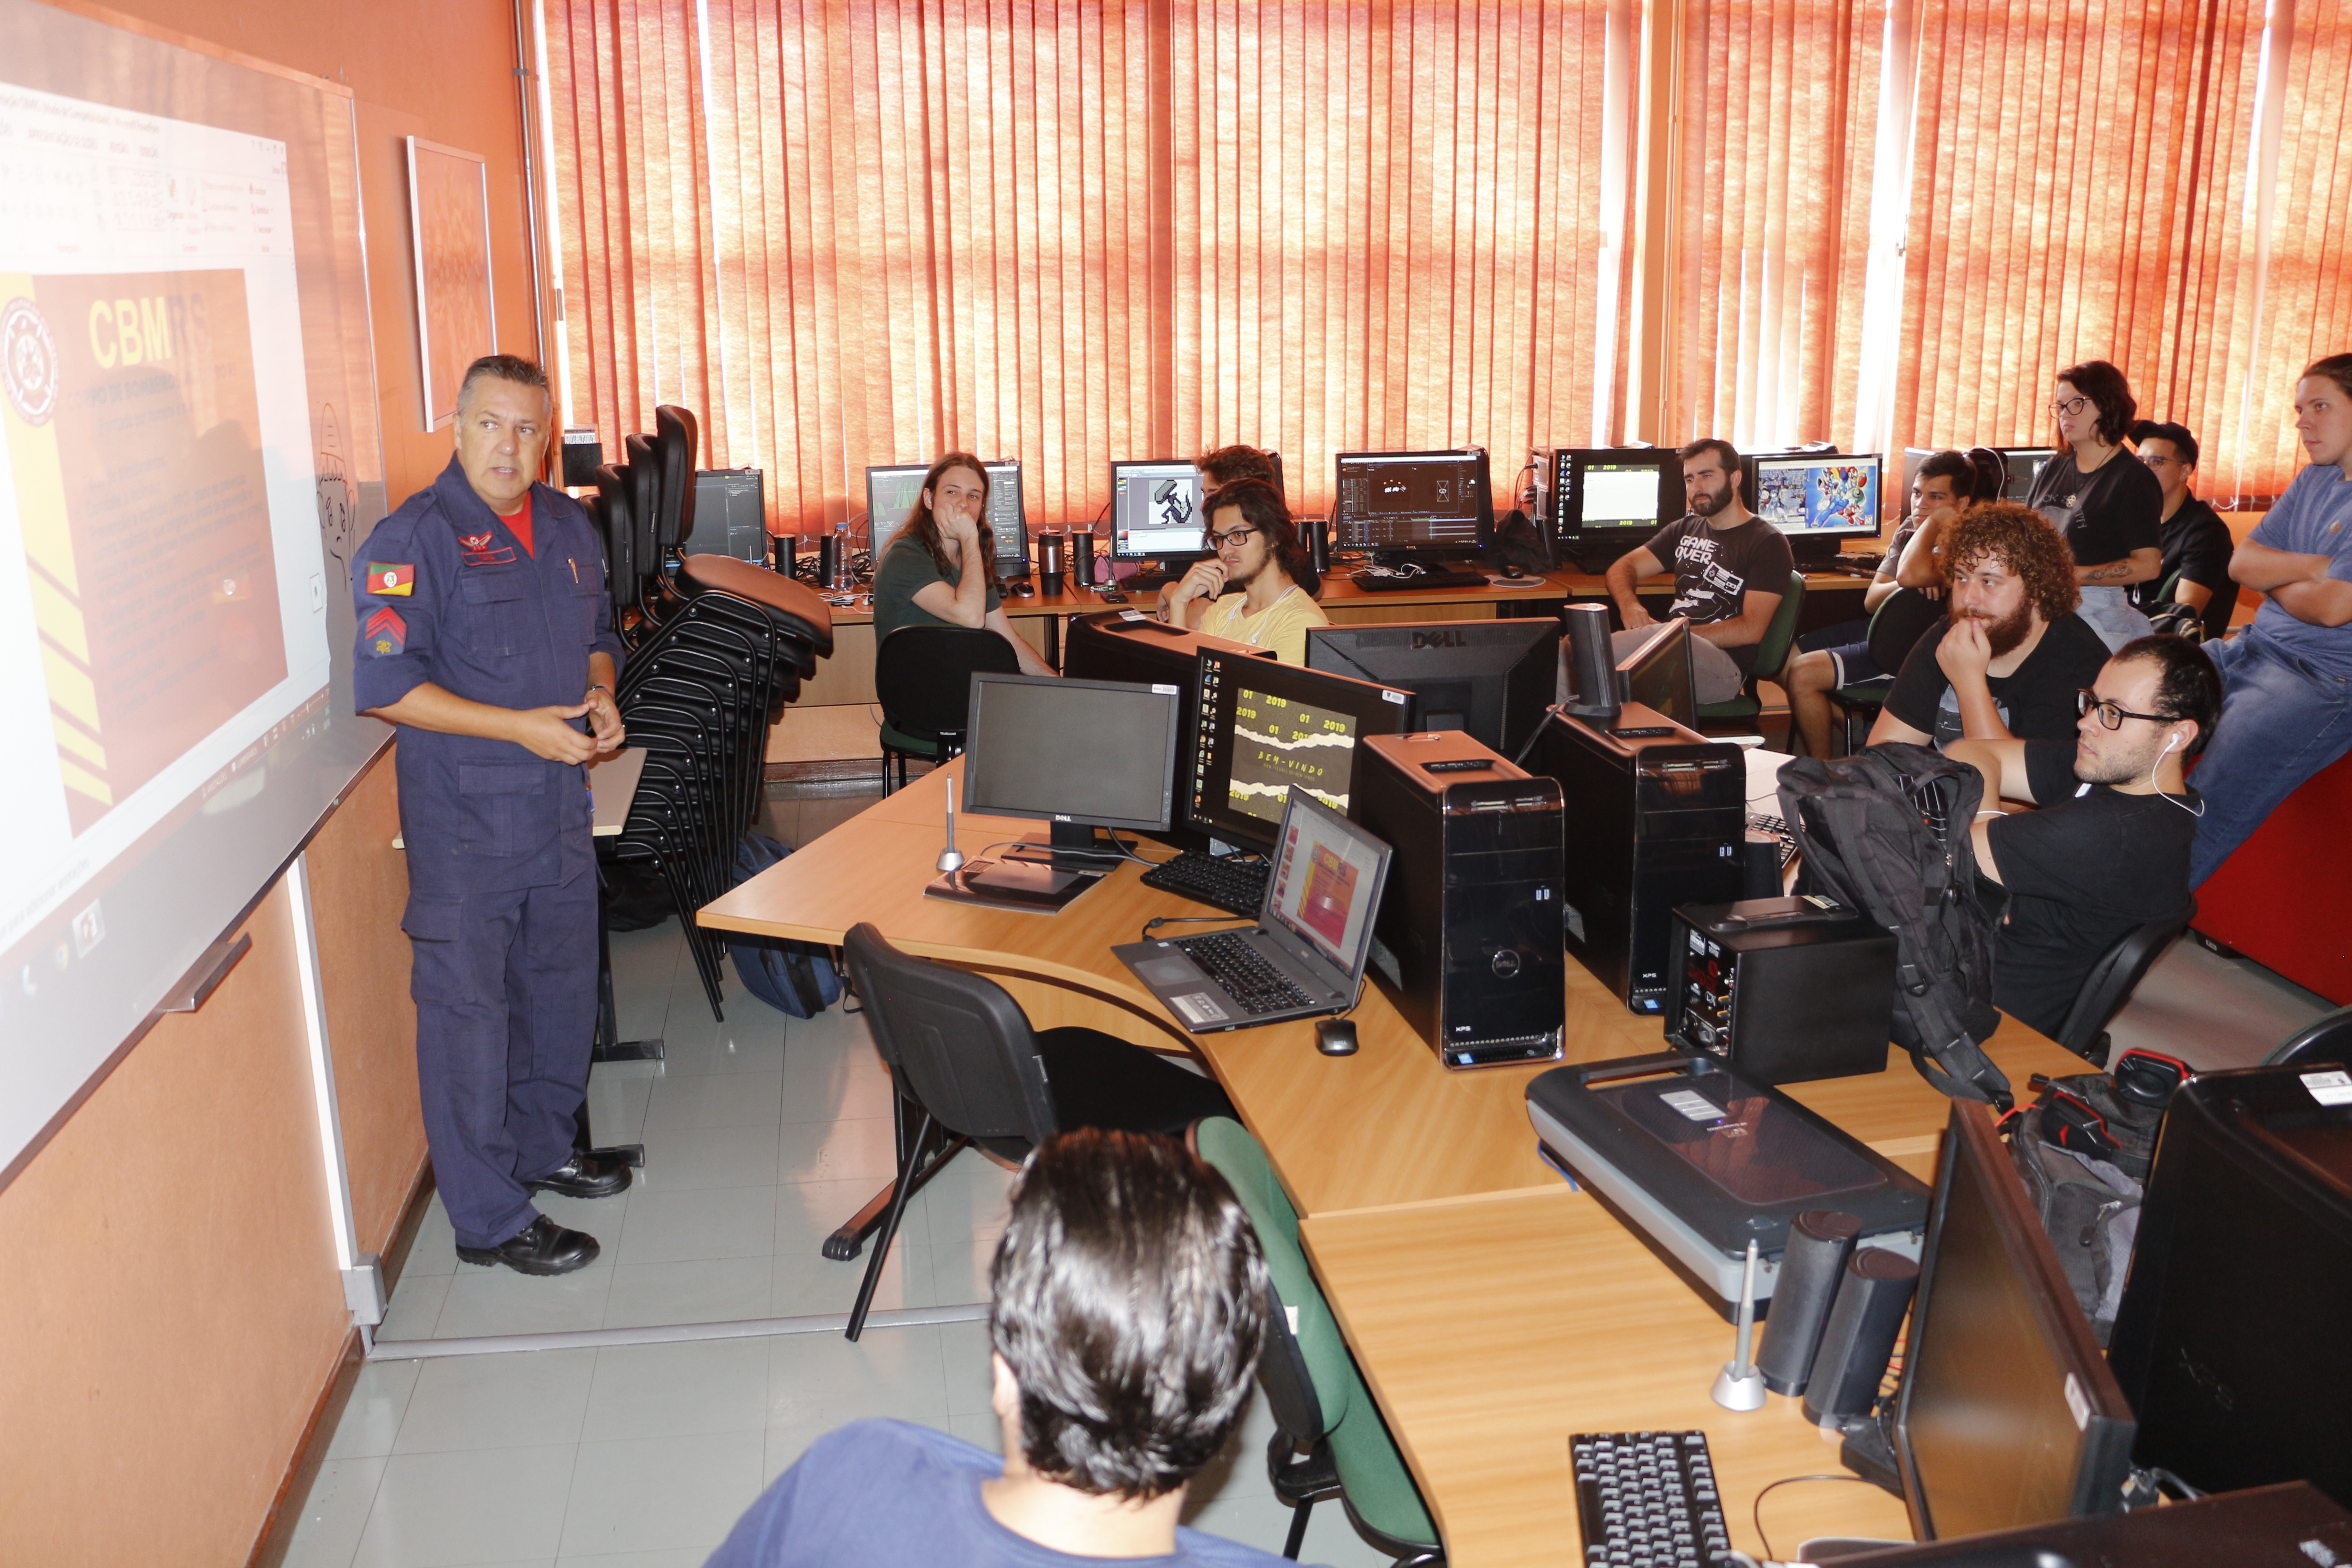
pixel 385 632
pixel 391 579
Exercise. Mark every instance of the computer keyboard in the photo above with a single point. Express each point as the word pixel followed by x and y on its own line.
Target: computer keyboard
pixel 1222 883
pixel 1761 822
pixel 1389 579
pixel 1248 978
pixel 1647 1500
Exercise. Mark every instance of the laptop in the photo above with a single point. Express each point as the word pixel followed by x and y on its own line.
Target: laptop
pixel 1305 955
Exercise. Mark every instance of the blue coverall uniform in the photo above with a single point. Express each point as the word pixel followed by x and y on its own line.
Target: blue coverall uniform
pixel 501 910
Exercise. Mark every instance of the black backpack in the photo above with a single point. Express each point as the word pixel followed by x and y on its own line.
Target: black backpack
pixel 1887 833
pixel 796 978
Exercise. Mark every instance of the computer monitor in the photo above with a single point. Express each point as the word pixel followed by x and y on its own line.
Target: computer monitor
pixel 1658 673
pixel 1265 726
pixel 1597 503
pixel 1433 505
pixel 2025 466
pixel 1123 644
pixel 1819 501
pixel 1006 517
pixel 1022 728
pixel 2008 1414
pixel 731 513
pixel 1155 512
pixel 1493 679
pixel 891 491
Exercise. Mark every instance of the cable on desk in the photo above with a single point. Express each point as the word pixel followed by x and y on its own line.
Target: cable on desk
pixel 1154 923
pixel 1755 1510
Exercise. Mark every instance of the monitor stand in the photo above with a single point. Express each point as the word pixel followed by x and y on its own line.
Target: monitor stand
pixel 1158 574
pixel 1070 846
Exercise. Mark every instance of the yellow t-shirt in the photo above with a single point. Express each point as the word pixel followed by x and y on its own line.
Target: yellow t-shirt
pixel 1281 625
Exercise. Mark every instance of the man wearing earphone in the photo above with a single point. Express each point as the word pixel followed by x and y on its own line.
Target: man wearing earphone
pixel 2108 851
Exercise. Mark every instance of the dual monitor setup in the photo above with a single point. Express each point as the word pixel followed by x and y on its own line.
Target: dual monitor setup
pixel 1597 503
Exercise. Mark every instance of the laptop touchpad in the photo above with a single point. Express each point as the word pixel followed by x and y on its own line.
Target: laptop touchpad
pixel 1167 970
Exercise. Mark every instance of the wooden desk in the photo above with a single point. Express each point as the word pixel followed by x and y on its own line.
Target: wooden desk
pixel 1492 1310
pixel 848 675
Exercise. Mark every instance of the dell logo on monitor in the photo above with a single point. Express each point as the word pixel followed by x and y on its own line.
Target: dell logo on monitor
pixel 1439 639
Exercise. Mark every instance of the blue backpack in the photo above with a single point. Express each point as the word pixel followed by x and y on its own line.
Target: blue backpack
pixel 795 977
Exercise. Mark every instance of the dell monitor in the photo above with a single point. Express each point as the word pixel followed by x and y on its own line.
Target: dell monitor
pixel 1155 512
pixel 2008 1414
pixel 1018 738
pixel 1266 727
pixel 1658 673
pixel 2023 466
pixel 1817 502
pixel 1597 503
pixel 1492 678
pixel 1431 506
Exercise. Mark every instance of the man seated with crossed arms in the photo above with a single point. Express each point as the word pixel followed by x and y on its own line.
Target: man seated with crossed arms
pixel 2108 851
pixel 1129 1301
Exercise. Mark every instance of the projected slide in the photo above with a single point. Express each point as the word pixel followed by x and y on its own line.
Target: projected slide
pixel 1278 743
pixel 161 581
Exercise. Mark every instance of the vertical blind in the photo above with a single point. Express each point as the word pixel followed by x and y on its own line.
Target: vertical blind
pixel 849 232
pixel 860 233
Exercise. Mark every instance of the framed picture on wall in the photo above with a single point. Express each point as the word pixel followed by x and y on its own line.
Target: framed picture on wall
pixel 449 221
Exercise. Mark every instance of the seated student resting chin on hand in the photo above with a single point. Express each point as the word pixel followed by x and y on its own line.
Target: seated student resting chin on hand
pixel 2108 850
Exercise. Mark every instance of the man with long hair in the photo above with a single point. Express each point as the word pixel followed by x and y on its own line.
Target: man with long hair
pixel 2012 653
pixel 940 571
pixel 1252 590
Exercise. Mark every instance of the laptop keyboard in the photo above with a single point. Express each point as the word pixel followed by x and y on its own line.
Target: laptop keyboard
pixel 1259 986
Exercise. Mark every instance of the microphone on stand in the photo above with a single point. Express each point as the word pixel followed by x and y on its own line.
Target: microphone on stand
pixel 951 857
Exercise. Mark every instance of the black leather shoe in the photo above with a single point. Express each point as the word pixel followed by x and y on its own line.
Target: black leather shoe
pixel 584 1176
pixel 543 1247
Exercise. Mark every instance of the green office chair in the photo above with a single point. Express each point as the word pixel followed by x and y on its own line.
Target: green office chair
pixel 1901 619
pixel 1771 653
pixel 1330 1439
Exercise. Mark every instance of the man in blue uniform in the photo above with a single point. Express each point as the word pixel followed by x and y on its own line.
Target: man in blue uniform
pixel 486 634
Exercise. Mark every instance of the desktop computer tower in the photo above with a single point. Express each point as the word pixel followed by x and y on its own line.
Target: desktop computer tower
pixel 1653 823
pixel 1466 943
pixel 2230 1341
pixel 1783 990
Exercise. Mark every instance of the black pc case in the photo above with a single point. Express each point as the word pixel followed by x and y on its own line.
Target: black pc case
pixel 2233 1341
pixel 1652 824
pixel 1783 990
pixel 2269 1526
pixel 1467 942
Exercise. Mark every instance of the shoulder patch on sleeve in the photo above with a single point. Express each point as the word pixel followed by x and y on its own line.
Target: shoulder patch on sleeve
pixel 386 634
pixel 391 579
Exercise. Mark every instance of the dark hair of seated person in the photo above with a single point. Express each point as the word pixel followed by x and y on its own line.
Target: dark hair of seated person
pixel 2188 687
pixel 2105 385
pixel 924 529
pixel 1223 465
pixel 1130 1304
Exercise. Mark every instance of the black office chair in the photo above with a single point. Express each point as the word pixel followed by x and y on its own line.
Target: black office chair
pixel 1771 654
pixel 678 440
pixel 2327 1039
pixel 1901 619
pixel 968 1068
pixel 922 675
pixel 2111 981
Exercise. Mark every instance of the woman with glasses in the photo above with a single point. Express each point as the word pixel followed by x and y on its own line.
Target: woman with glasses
pixel 1252 589
pixel 2109 508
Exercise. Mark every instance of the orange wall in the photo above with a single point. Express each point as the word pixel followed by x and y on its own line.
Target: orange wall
pixel 170 1312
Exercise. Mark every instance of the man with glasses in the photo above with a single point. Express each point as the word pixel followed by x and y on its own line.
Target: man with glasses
pixel 1250 591
pixel 2108 851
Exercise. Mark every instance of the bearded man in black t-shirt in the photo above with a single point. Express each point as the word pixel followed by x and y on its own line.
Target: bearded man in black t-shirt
pixel 1731 570
pixel 2108 851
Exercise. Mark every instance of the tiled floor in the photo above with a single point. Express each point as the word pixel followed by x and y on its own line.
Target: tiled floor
pixel 762 1135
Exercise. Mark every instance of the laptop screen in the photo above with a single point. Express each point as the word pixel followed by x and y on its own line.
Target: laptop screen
pixel 1326 881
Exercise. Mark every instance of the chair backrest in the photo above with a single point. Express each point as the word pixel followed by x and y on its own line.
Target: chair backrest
pixel 2327 1039
pixel 2112 981
pixel 957 1044
pixel 645 501
pixel 922 675
pixel 1379 1488
pixel 677 440
pixel 1901 619
pixel 614 489
pixel 1780 632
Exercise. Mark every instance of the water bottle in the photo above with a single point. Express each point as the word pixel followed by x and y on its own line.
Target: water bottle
pixel 842 577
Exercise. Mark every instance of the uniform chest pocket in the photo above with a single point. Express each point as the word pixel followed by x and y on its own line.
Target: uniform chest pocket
pixel 502 808
pixel 493 611
pixel 587 600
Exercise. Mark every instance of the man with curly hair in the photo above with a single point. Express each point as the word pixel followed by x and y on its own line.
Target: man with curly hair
pixel 1129 1301
pixel 2012 653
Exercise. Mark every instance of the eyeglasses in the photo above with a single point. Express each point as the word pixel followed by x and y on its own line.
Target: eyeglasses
pixel 2066 409
pixel 2113 714
pixel 1237 537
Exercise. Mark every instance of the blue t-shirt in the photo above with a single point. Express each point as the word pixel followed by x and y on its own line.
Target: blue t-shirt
pixel 878 1494
pixel 2314 518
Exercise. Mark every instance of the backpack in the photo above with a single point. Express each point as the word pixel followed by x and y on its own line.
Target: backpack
pixel 2178 620
pixel 1886 833
pixel 797 978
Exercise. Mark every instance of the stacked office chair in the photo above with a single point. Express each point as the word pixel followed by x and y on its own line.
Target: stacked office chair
pixel 1902 618
pixel 2327 1039
pixel 1771 653
pixel 2111 982
pixel 922 676
pixel 968 1068
pixel 1330 1440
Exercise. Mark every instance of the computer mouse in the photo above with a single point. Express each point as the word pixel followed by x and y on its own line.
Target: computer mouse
pixel 1514 571
pixel 1336 1036
pixel 1024 590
